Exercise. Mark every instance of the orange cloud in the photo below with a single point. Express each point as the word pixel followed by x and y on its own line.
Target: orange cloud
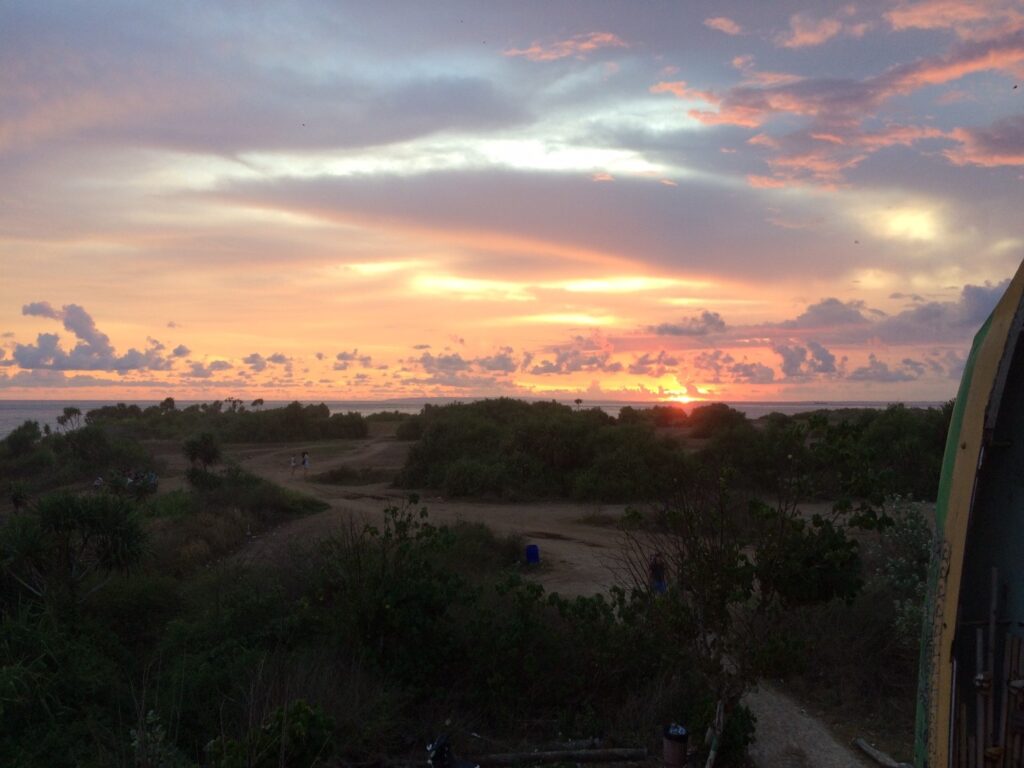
pixel 724 24
pixel 577 46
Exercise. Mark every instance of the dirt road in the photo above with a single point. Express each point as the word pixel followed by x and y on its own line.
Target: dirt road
pixel 581 559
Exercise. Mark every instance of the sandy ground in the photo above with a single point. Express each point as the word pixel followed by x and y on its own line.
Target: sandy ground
pixel 580 558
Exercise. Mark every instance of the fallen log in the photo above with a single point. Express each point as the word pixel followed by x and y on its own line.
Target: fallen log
pixel 878 755
pixel 563 756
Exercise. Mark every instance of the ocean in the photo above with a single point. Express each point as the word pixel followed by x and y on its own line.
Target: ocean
pixel 13 413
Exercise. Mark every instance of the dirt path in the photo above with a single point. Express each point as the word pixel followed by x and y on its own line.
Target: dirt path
pixel 580 558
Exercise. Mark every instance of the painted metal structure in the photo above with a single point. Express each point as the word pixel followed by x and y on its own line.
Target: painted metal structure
pixel 966 705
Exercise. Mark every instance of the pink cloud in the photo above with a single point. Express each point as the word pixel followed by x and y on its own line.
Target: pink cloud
pixel 805 31
pixel 723 24
pixel 835 140
pixel 1000 144
pixel 577 46
pixel 680 90
pixel 968 19
pixel 767 182
pixel 751 75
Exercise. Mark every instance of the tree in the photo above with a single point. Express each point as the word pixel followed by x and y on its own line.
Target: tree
pixel 167 405
pixel 23 438
pixel 70 419
pixel 202 449
pixel 67 542
pixel 732 568
pixel 257 403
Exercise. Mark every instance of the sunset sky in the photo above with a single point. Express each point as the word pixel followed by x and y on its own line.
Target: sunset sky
pixel 609 200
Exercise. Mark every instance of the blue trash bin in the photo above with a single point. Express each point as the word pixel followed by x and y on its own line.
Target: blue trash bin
pixel 532 554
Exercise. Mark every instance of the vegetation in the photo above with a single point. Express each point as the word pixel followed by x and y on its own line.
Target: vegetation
pixel 358 647
pixel 130 634
pixel 229 421
pixel 511 449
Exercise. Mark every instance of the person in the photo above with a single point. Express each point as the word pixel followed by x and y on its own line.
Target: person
pixel 305 463
pixel 657 567
pixel 293 463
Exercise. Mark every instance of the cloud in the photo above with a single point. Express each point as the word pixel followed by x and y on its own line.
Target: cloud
pixel 653 365
pixel 443 363
pixel 41 309
pixel 578 46
pixel 805 31
pixel 752 373
pixel 255 361
pixel 805 361
pixel 967 18
pixel 198 370
pixel 827 313
pixel 878 371
pixel 501 362
pixel 1001 143
pixel 584 353
pixel 93 351
pixel 707 322
pixel 279 359
pixel 49 379
pixel 715 362
pixel 942 321
pixel 723 24
pixel 344 359
pixel 833 137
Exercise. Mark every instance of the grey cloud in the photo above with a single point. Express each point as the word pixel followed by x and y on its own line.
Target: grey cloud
pixel 41 309
pixel 198 370
pixel 278 359
pixel 443 363
pixel 752 373
pixel 707 322
pixel 714 361
pixel 916 297
pixel 50 379
pixel 345 359
pixel 879 371
pixel 828 313
pixel 181 351
pixel 803 361
pixel 583 353
pixel 93 351
pixel 695 225
pixel 942 321
pixel 502 362
pixel 255 361
pixel 653 365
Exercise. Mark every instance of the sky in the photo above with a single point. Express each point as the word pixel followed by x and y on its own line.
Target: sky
pixel 611 201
